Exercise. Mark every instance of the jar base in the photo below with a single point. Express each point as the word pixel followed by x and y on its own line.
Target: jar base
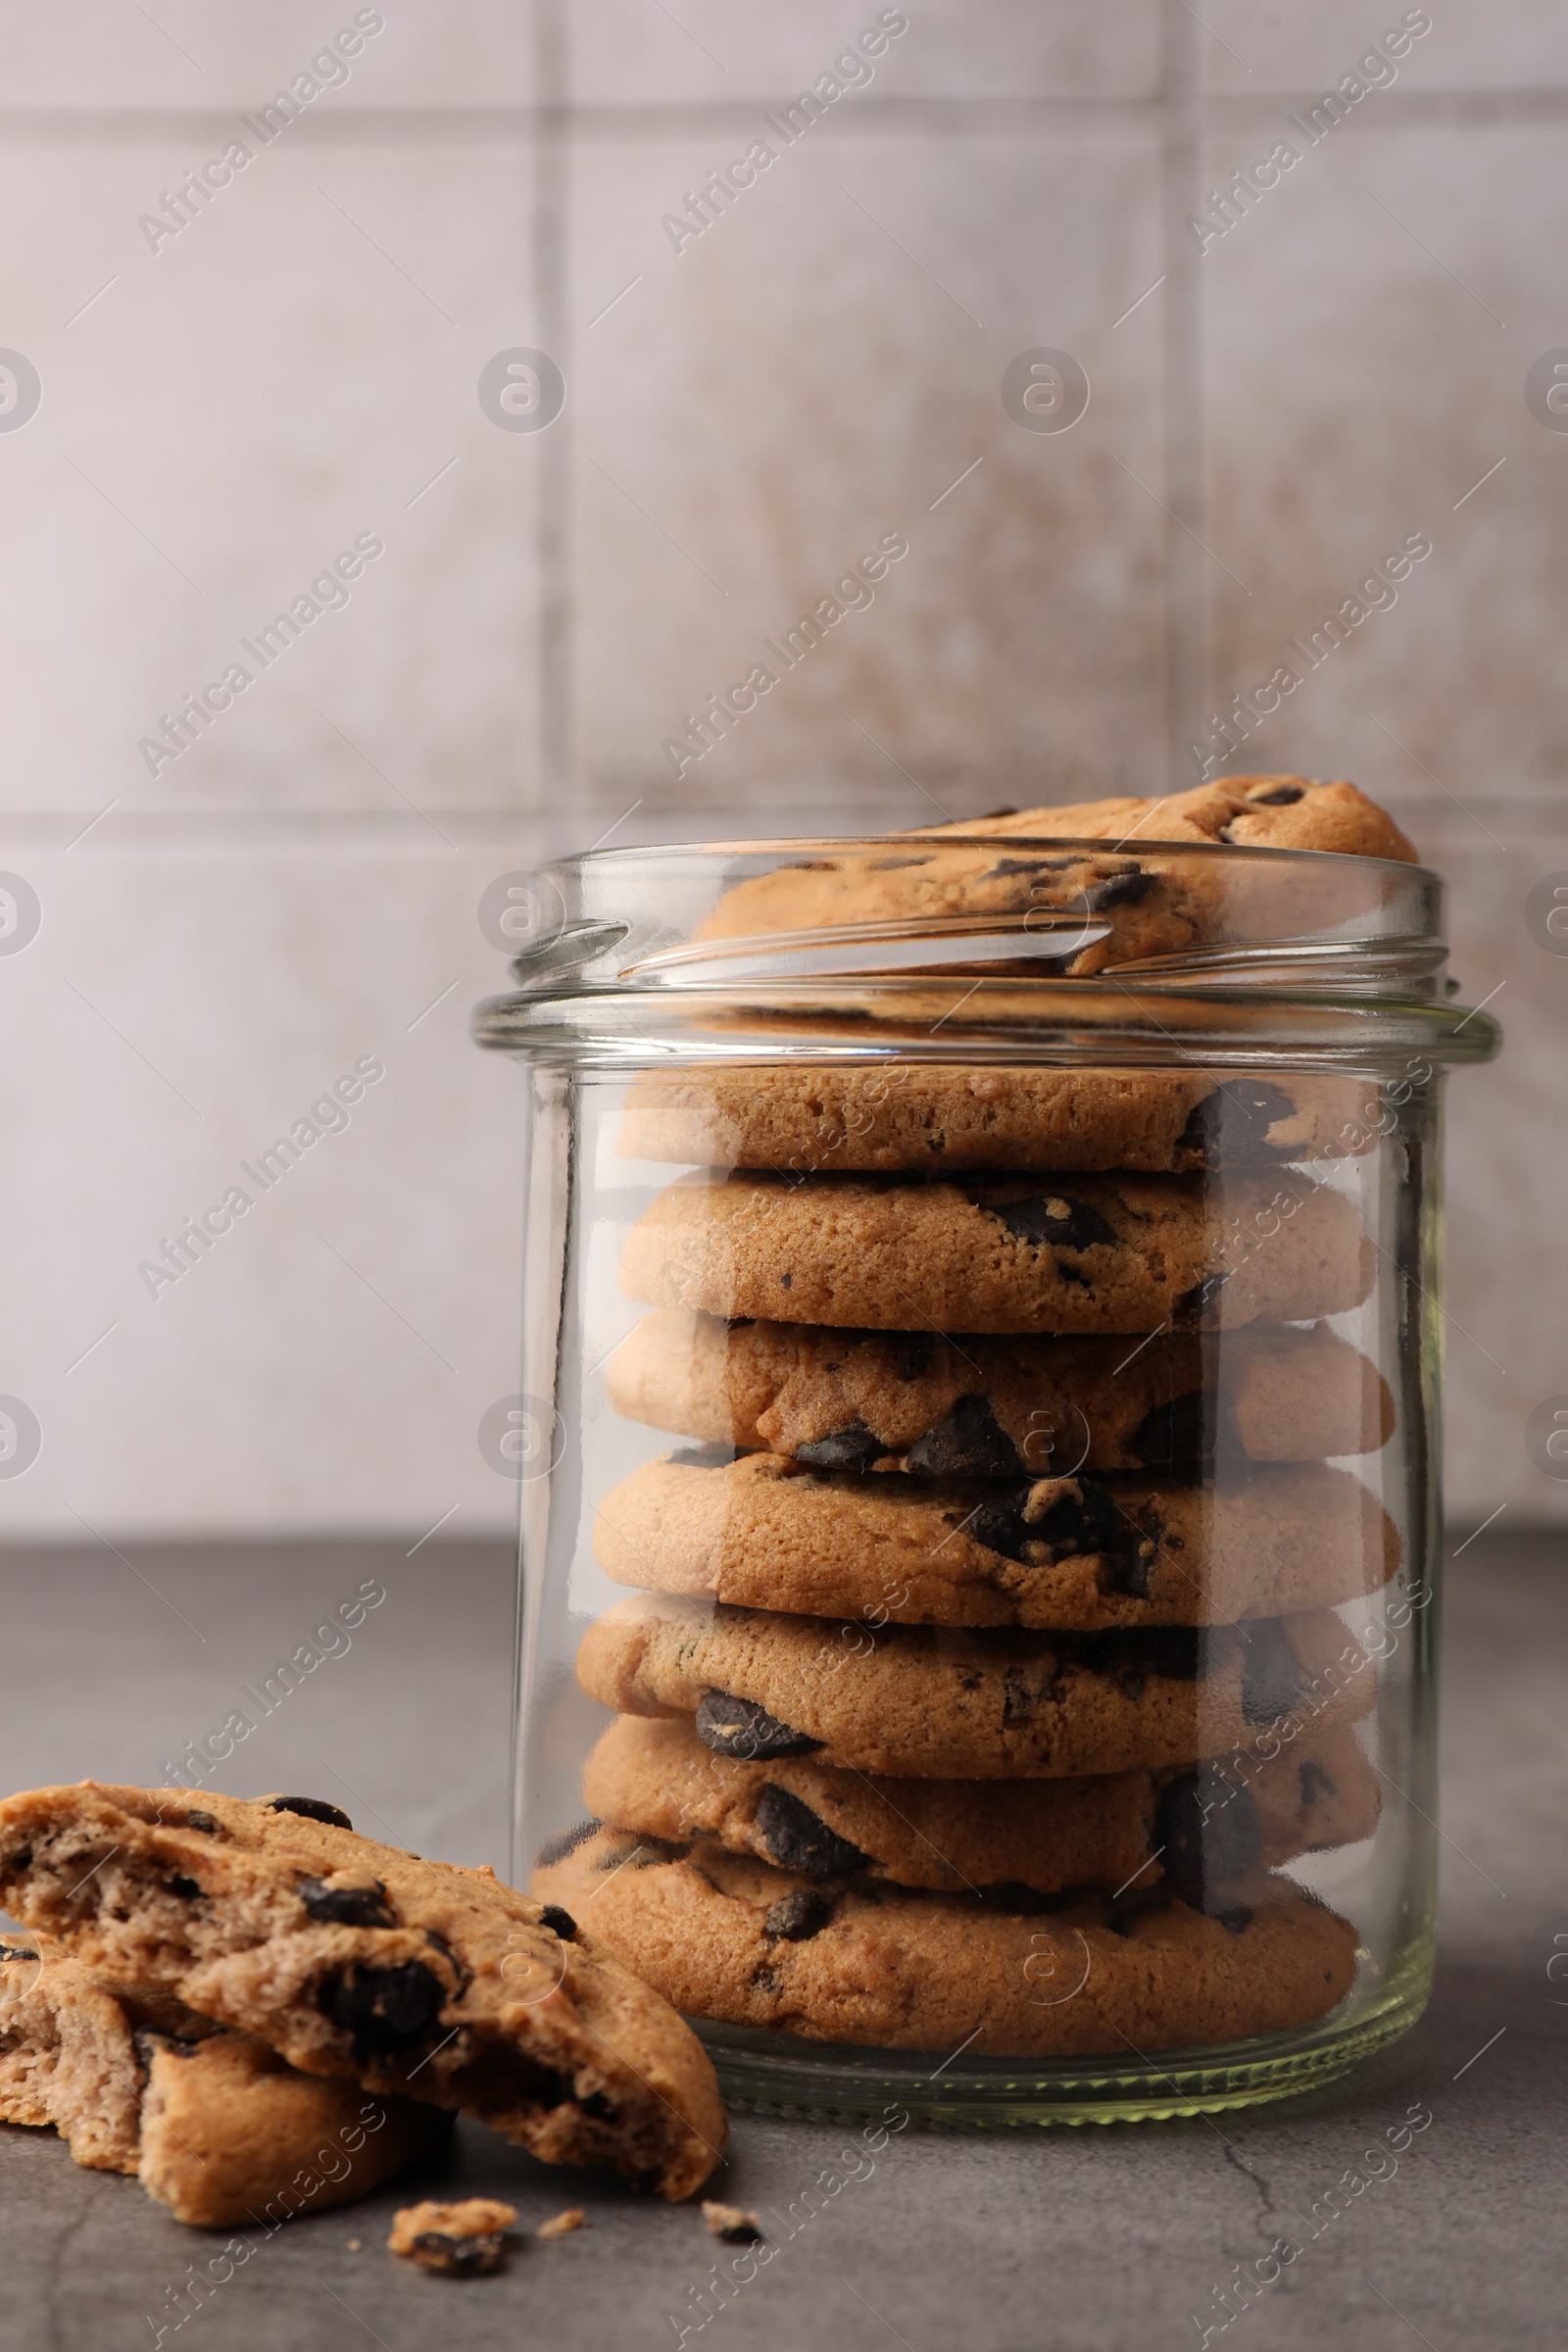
pixel 777 2074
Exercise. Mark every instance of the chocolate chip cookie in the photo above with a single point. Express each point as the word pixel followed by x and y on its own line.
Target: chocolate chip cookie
pixel 1003 1254
pixel 359 1960
pixel 1126 904
pixel 216 2125
pixel 1194 1828
pixel 1099 1254
pixel 985 1408
pixel 728 1938
pixel 925 1117
pixel 941 1703
pixel 1086 1553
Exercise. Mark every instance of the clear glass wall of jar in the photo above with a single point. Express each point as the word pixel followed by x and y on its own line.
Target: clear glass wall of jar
pixel 979 1601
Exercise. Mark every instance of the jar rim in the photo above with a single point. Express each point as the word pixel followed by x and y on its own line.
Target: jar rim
pixel 656 951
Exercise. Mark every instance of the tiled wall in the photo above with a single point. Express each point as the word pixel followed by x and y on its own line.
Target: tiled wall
pixel 226 410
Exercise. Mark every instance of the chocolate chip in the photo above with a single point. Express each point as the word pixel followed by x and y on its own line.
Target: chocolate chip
pixel 1195 1305
pixel 598 2106
pixel 1271 1676
pixel 967 1442
pixel 1314 1782
pixel 312 1808
pixel 1057 1219
pixel 1083 1522
pixel 741 2231
pixel 712 1456
pixel 1020 1699
pixel 1124 888
pixel 1000 1524
pixel 739 1726
pixel 559 1923
pixel 346 1906
pixel 798 1916
pixel 1209 1829
pixel 384 2009
pixel 1281 797
pixel 1176 1654
pixel 185 1888
pixel 1234 1918
pixel 1233 1122
pixel 21 1859
pixel 852 1447
pixel 796 1839
pixel 17 1951
pixel 1005 867
pixel 912 1352
pixel 459 2257
pixel 565 1842
pixel 1085 1519
pixel 1180 1431
pixel 203 1822
pixel 786 1282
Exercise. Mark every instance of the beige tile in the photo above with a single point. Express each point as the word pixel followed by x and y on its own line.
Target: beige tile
pixel 1255 45
pixel 326 1364
pixel 239 53
pixel 1505 1192
pixel 227 418
pixel 816 370
pixel 630 52
pixel 1365 373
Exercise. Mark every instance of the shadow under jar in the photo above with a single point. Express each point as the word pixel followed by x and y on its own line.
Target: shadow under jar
pixel 978 1599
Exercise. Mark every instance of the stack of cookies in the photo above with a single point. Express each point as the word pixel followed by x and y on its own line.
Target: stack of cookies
pixel 984 1670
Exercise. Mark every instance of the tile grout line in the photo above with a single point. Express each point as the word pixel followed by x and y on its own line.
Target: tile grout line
pixel 1187 581
pixel 961 115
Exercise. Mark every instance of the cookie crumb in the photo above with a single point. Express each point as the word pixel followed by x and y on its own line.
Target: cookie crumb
pixel 732 2222
pixel 561 2224
pixel 461 2241
pixel 356 2245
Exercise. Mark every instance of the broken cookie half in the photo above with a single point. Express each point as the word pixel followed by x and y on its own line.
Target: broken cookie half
pixel 213 2124
pixel 362 1963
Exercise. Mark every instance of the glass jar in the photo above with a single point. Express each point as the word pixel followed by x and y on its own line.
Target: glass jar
pixel 980 1459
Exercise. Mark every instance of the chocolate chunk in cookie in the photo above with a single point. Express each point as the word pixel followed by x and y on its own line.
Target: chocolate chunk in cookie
pixel 309 1808
pixel 852 1447
pixel 796 1839
pixel 739 1726
pixel 969 1442
pixel 1209 1831
pixel 347 1906
pixel 1055 1219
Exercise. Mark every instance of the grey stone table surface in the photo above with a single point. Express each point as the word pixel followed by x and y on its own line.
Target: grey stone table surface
pixel 1009 2242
